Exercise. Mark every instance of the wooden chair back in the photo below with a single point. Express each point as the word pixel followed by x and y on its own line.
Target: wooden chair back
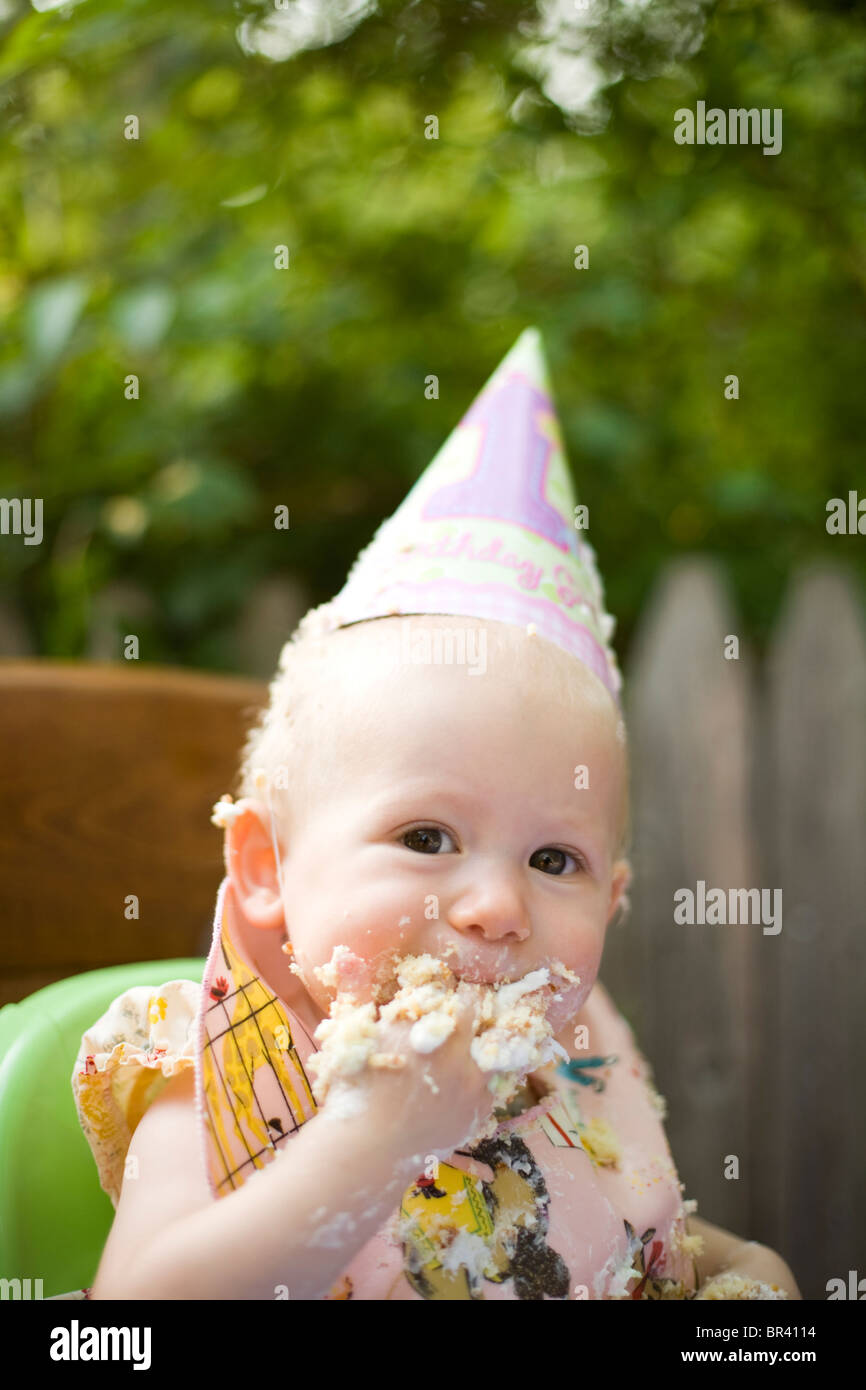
pixel 110 773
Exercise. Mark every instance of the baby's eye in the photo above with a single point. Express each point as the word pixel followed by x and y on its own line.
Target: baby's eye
pixel 426 839
pixel 552 861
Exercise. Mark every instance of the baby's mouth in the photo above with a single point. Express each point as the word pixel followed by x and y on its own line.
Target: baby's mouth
pixel 385 986
pixel 475 970
pixel 346 972
pixel 478 974
pixel 473 975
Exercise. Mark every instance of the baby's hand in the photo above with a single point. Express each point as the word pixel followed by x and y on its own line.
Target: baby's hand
pixel 421 1102
pixel 446 1049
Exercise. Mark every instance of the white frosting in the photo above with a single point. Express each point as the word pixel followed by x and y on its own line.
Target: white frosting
pixel 334 1233
pixel 225 812
pixel 328 973
pixel 512 1033
pixel 431 1031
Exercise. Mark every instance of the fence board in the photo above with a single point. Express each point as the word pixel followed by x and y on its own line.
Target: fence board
pixel 685 987
pixel 812 1197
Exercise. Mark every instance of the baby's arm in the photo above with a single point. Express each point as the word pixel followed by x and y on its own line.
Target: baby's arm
pixel 164 1180
pixel 172 1240
pixel 302 1218
pixel 724 1253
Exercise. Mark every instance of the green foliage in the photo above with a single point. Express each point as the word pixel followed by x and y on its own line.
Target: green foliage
pixel 411 256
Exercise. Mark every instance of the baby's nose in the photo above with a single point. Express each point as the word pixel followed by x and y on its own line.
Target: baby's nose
pixel 493 905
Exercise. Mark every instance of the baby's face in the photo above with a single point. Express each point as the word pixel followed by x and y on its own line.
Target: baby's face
pixel 445 819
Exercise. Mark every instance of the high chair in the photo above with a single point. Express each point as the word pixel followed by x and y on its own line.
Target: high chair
pixel 107 848
pixel 54 1216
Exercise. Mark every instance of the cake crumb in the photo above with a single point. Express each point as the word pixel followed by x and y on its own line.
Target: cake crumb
pixel 512 1035
pixel 657 1101
pixel 734 1286
pixel 691 1246
pixel 225 812
pixel 557 968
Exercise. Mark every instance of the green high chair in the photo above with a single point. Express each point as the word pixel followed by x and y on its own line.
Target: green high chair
pixel 54 1216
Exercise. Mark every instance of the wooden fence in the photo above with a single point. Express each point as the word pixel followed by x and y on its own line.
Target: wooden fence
pixel 746 778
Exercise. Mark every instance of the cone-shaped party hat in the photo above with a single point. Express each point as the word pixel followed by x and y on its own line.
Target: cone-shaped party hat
pixel 489 530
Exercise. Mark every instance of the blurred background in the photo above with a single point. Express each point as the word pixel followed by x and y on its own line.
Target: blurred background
pixel 301 123
pixel 304 127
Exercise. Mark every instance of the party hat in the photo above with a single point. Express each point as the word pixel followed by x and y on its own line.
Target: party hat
pixel 491 529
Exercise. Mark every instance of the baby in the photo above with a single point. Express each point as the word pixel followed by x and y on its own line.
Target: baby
pixel 429 813
pixel 401 1072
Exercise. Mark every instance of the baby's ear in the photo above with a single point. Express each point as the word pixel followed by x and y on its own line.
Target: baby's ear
pixel 250 860
pixel 619 885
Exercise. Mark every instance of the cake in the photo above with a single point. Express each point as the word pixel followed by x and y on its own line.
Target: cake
pixel 512 1035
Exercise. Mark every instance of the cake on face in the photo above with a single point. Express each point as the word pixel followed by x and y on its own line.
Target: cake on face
pixel 512 1035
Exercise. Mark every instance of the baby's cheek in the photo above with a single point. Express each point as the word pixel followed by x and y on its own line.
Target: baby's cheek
pixel 580 948
pixel 581 955
pixel 568 1001
pixel 355 957
pixel 383 928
